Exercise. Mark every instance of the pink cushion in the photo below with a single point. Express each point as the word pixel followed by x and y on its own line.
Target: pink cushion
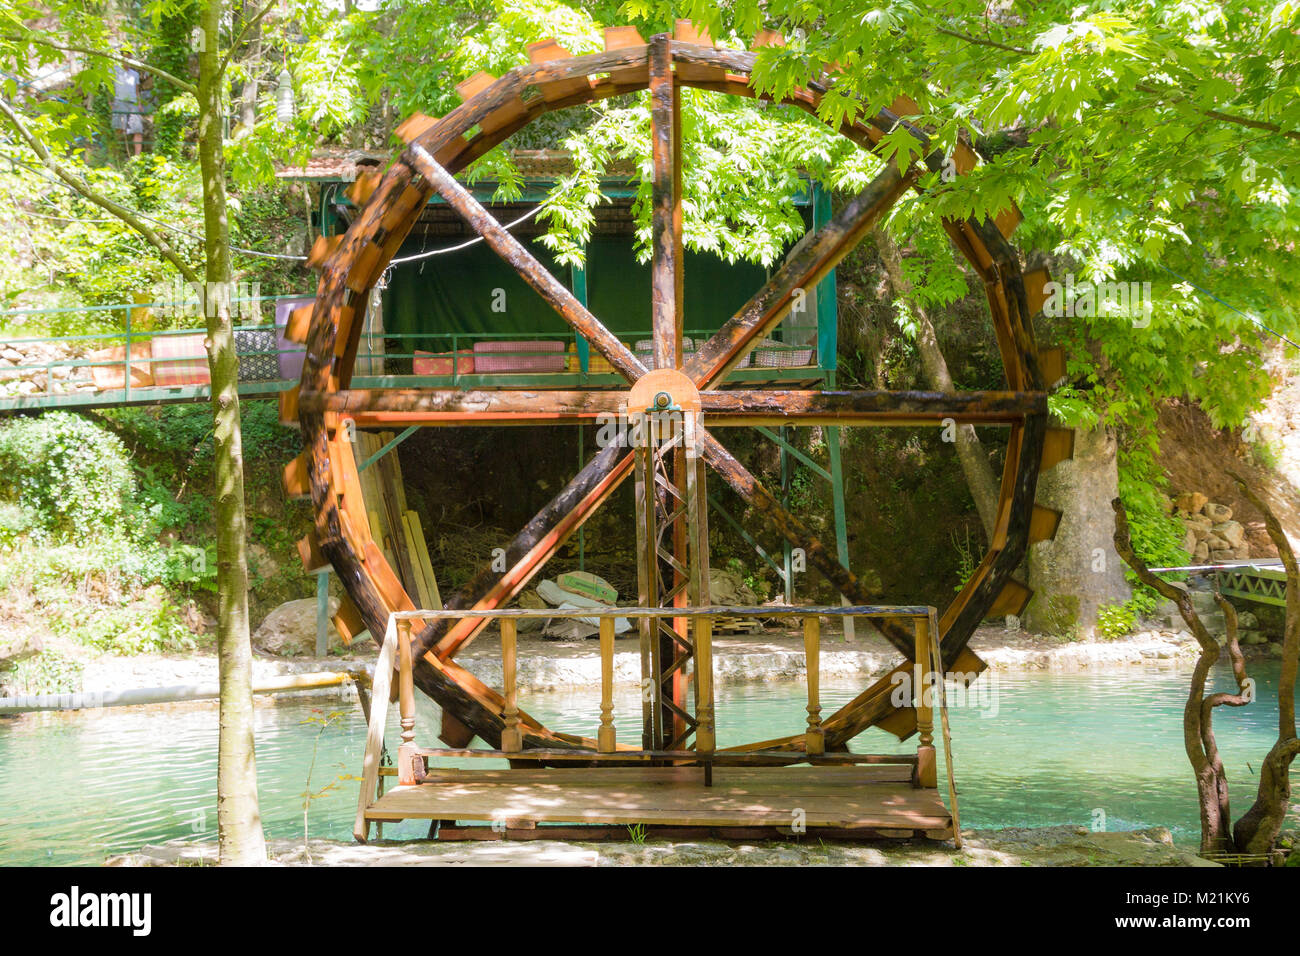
pixel 521 356
pixel 440 363
pixel 188 363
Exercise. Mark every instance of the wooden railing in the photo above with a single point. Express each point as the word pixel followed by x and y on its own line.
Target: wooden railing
pixel 396 660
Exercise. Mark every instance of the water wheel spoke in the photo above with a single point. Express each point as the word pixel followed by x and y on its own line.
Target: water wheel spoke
pixel 810 261
pixel 899 408
pixel 386 407
pixel 666 278
pixel 529 550
pixel 512 251
pixel 793 530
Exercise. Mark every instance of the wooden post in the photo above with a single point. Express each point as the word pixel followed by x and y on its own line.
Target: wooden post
pixel 605 735
pixel 815 737
pixel 705 731
pixel 926 762
pixel 406 757
pixel 512 738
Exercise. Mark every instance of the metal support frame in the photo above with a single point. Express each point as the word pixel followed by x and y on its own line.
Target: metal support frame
pixel 835 475
pixel 401 437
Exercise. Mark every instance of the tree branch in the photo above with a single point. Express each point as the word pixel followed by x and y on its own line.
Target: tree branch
pixel 76 183
pixel 128 61
pixel 1219 115
pixel 243 32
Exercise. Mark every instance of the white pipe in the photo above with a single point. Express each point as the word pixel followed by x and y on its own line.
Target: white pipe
pixel 89 700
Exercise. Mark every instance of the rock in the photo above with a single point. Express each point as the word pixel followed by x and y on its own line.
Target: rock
pixel 1252 637
pixel 1191 502
pixel 728 589
pixel 1221 555
pixel 1217 512
pixel 1189 541
pixel 1072 583
pixel 1275 650
pixel 1198 521
pixel 1215 623
pixel 1232 532
pixel 290 630
pixel 1203 603
pixel 18 648
pixel 1202 552
pixel 530 599
pixel 260 561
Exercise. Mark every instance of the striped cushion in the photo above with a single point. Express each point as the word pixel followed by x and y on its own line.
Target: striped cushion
pixel 187 360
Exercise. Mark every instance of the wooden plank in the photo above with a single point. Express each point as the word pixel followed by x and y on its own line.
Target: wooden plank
pixel 848 797
pixel 1011 599
pixel 310 554
pixel 322 249
pixel 506 114
pixel 295 477
pixel 299 324
pixel 288 402
pixel 417 569
pixel 1035 281
pixel 627 38
pixel 380 687
pixel 686 32
pixel 1051 364
pixel 666 278
pixel 544 51
pixel 1043 524
pixel 363 187
pixel 348 621
pixel 1008 220
pixel 421 556
pixel 1058 446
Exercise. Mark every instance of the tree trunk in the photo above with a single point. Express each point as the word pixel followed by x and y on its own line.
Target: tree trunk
pixel 1198 713
pixel 970 452
pixel 239 822
pixel 1259 827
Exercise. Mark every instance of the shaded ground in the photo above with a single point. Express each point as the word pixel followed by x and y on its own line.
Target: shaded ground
pixel 1048 846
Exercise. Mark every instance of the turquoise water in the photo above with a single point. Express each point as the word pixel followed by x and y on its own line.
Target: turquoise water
pixel 1030 750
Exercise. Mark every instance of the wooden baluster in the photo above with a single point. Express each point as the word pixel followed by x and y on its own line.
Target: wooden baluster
pixel 927 771
pixel 512 738
pixel 606 734
pixel 705 732
pixel 814 737
pixel 406 757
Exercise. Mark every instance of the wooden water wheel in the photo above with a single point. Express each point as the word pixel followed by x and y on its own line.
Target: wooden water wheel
pixel 492 110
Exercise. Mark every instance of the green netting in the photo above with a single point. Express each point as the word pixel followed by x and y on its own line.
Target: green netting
pixel 473 292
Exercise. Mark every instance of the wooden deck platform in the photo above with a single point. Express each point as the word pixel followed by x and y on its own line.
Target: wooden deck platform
pixel 865 802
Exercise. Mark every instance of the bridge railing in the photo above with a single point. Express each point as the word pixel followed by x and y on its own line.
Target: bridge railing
pixel 121 362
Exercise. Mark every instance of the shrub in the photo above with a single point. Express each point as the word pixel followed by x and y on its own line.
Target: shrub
pixel 72 477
